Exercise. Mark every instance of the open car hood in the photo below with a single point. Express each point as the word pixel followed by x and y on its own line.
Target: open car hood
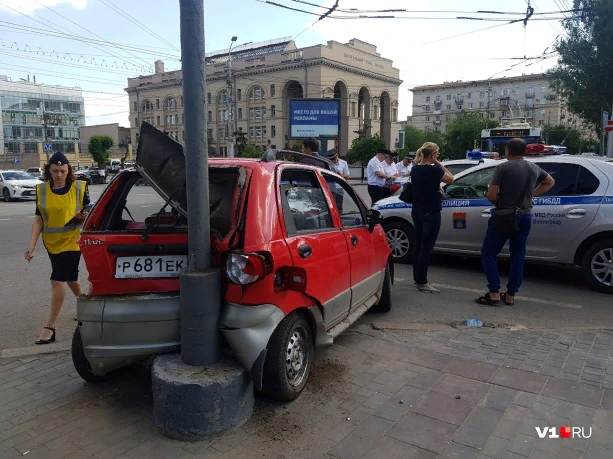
pixel 161 161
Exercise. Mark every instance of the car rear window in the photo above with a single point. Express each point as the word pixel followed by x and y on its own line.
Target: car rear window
pixel 571 179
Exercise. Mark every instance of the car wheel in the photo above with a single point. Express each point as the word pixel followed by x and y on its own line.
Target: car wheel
pixel 81 363
pixel 6 195
pixel 400 240
pixel 289 358
pixel 385 302
pixel 597 266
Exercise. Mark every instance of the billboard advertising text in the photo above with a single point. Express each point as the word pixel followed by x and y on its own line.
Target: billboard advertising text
pixel 318 118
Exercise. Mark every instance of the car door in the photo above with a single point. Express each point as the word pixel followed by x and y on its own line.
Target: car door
pixel 561 214
pixel 316 244
pixel 365 278
pixel 465 212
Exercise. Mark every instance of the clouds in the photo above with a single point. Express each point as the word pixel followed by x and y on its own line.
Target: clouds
pixel 30 6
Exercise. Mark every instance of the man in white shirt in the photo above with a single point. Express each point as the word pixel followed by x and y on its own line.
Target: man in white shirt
pixel 341 168
pixel 404 168
pixel 390 169
pixel 376 176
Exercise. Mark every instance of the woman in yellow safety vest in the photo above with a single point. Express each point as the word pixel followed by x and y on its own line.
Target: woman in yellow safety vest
pixel 58 200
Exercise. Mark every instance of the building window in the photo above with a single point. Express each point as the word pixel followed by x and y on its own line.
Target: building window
pixel 469 95
pixel 470 104
pixel 448 118
pixel 481 104
pixel 395 114
pixel 158 121
pixel 239 94
pixel 427 98
pixel 256 94
pixel 135 106
pixel 251 113
pixel 240 113
pixel 505 92
pixel 542 112
pixel 136 122
pixel 272 111
pixel 427 118
pixel 493 115
pixel 448 96
pixel 157 104
pixel 482 94
pixel 438 117
pixel 272 90
pixel 273 131
pixel 210 115
pixel 221 134
pixel 208 98
pixel 541 122
pixel 183 134
pixel 448 107
pixel 353 109
pixel 438 98
pixel 183 118
pixel 427 108
pixel 251 131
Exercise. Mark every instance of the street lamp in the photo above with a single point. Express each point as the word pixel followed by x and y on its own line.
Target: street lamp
pixel 231 100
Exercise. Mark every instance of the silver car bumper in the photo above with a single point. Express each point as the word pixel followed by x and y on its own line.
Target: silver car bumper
pixel 118 331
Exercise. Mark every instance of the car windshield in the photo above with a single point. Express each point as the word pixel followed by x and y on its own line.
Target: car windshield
pixel 17 175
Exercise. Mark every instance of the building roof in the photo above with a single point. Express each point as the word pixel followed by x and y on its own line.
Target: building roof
pixel 495 82
pixel 252 50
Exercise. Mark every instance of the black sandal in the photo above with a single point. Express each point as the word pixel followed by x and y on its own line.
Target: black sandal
pixel 47 341
pixel 486 300
pixel 504 296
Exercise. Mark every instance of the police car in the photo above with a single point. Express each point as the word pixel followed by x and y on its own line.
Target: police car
pixel 572 223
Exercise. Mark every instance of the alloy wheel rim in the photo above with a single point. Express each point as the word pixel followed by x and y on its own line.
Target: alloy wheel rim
pixel 297 357
pixel 602 266
pixel 398 242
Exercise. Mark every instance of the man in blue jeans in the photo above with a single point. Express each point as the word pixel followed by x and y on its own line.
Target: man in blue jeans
pixel 512 187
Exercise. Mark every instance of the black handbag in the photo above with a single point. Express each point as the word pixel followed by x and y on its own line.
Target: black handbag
pixel 506 219
pixel 407 193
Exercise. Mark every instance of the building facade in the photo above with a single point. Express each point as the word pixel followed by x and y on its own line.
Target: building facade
pixel 122 139
pixel 39 114
pixel 265 76
pixel 530 96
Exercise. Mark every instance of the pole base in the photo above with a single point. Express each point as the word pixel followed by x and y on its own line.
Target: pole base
pixel 192 403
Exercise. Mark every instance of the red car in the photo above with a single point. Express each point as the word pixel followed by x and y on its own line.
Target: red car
pixel 298 270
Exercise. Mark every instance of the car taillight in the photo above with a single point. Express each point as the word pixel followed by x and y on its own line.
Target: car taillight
pixel 291 278
pixel 245 268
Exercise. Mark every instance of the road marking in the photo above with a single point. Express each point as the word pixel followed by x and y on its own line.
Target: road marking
pixel 5 219
pixel 523 298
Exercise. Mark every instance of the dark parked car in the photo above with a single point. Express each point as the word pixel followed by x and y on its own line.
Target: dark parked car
pixel 91 176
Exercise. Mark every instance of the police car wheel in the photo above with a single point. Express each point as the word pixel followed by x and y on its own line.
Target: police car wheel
pixel 81 363
pixel 400 240
pixel 6 195
pixel 597 266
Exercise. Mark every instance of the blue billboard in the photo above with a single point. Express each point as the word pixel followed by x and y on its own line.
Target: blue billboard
pixel 314 118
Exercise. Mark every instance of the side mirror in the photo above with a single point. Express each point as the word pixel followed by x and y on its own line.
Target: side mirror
pixel 373 217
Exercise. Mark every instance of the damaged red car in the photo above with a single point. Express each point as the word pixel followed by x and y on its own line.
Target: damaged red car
pixel 302 259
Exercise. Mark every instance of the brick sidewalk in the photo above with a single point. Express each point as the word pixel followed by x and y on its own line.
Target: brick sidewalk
pixel 373 394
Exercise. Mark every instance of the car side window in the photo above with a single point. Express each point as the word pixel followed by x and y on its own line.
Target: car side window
pixel 471 186
pixel 304 203
pixel 565 176
pixel 349 208
pixel 587 183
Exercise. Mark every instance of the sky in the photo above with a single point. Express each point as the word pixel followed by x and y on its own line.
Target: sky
pixel 420 48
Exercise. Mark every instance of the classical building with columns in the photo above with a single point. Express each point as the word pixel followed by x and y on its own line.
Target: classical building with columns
pixel 249 91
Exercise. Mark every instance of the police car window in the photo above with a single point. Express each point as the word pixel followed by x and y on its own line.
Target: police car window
pixel 457 168
pixel 587 183
pixel 305 202
pixel 471 186
pixel 565 176
pixel 346 203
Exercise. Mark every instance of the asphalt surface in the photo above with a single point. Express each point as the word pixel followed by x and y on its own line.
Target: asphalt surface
pixel 551 297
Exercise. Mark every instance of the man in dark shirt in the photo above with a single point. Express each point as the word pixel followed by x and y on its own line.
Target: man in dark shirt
pixel 512 187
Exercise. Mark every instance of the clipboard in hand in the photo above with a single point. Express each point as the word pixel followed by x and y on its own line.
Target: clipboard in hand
pixel 75 222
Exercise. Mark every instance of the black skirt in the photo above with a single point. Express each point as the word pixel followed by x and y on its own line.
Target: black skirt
pixel 65 266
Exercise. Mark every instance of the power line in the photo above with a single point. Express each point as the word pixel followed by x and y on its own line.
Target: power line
pixel 59 75
pixel 132 19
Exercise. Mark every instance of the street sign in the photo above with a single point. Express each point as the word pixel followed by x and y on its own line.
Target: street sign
pixel 16 160
pixel 314 118
pixel 609 127
pixel 47 148
pixel 605 118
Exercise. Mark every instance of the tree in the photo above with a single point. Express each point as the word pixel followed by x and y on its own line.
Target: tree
pixel 297 147
pixel 363 149
pixel 98 147
pixel 241 143
pixel 462 133
pixel 555 135
pixel 413 139
pixel 584 65
pixel 251 151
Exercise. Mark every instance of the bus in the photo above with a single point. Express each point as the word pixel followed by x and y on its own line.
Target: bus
pixel 495 140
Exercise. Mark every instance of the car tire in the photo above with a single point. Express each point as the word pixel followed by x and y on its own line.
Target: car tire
pixel 6 195
pixel 400 240
pixel 597 257
pixel 289 358
pixel 385 302
pixel 81 363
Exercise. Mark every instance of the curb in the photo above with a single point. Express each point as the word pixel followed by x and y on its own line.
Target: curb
pixel 34 350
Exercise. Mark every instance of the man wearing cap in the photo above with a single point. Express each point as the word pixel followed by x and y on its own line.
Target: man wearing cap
pixel 404 168
pixel 341 168
pixel 376 176
pixel 58 200
pixel 390 169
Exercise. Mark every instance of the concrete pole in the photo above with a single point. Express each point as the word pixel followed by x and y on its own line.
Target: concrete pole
pixel 200 285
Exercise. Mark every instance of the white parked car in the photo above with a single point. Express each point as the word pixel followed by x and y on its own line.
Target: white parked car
pixel 17 185
pixel 36 172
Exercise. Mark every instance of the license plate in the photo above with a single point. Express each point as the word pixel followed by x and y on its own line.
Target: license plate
pixel 150 266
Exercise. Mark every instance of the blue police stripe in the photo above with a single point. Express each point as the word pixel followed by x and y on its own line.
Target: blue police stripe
pixel 544 201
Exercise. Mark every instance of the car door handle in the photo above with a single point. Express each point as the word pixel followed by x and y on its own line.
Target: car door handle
pixel 354 240
pixel 305 251
pixel 576 213
pixel 487 212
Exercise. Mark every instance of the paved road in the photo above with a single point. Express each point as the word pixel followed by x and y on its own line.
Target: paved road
pixel 555 297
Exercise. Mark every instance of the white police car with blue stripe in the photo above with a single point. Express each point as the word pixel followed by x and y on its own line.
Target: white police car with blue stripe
pixel 571 224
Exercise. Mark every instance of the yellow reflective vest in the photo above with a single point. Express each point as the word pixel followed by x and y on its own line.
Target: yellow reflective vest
pixel 56 210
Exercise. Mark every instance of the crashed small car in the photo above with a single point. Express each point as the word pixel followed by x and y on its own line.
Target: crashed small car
pixel 302 259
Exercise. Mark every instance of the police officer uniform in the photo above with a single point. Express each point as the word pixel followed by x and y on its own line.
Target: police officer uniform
pixel 376 184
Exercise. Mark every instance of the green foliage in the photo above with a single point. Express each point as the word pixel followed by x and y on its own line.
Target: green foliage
pixel 413 139
pixel 98 147
pixel 584 64
pixel 297 147
pixel 241 143
pixel 251 151
pixel 555 135
pixel 363 149
pixel 462 133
